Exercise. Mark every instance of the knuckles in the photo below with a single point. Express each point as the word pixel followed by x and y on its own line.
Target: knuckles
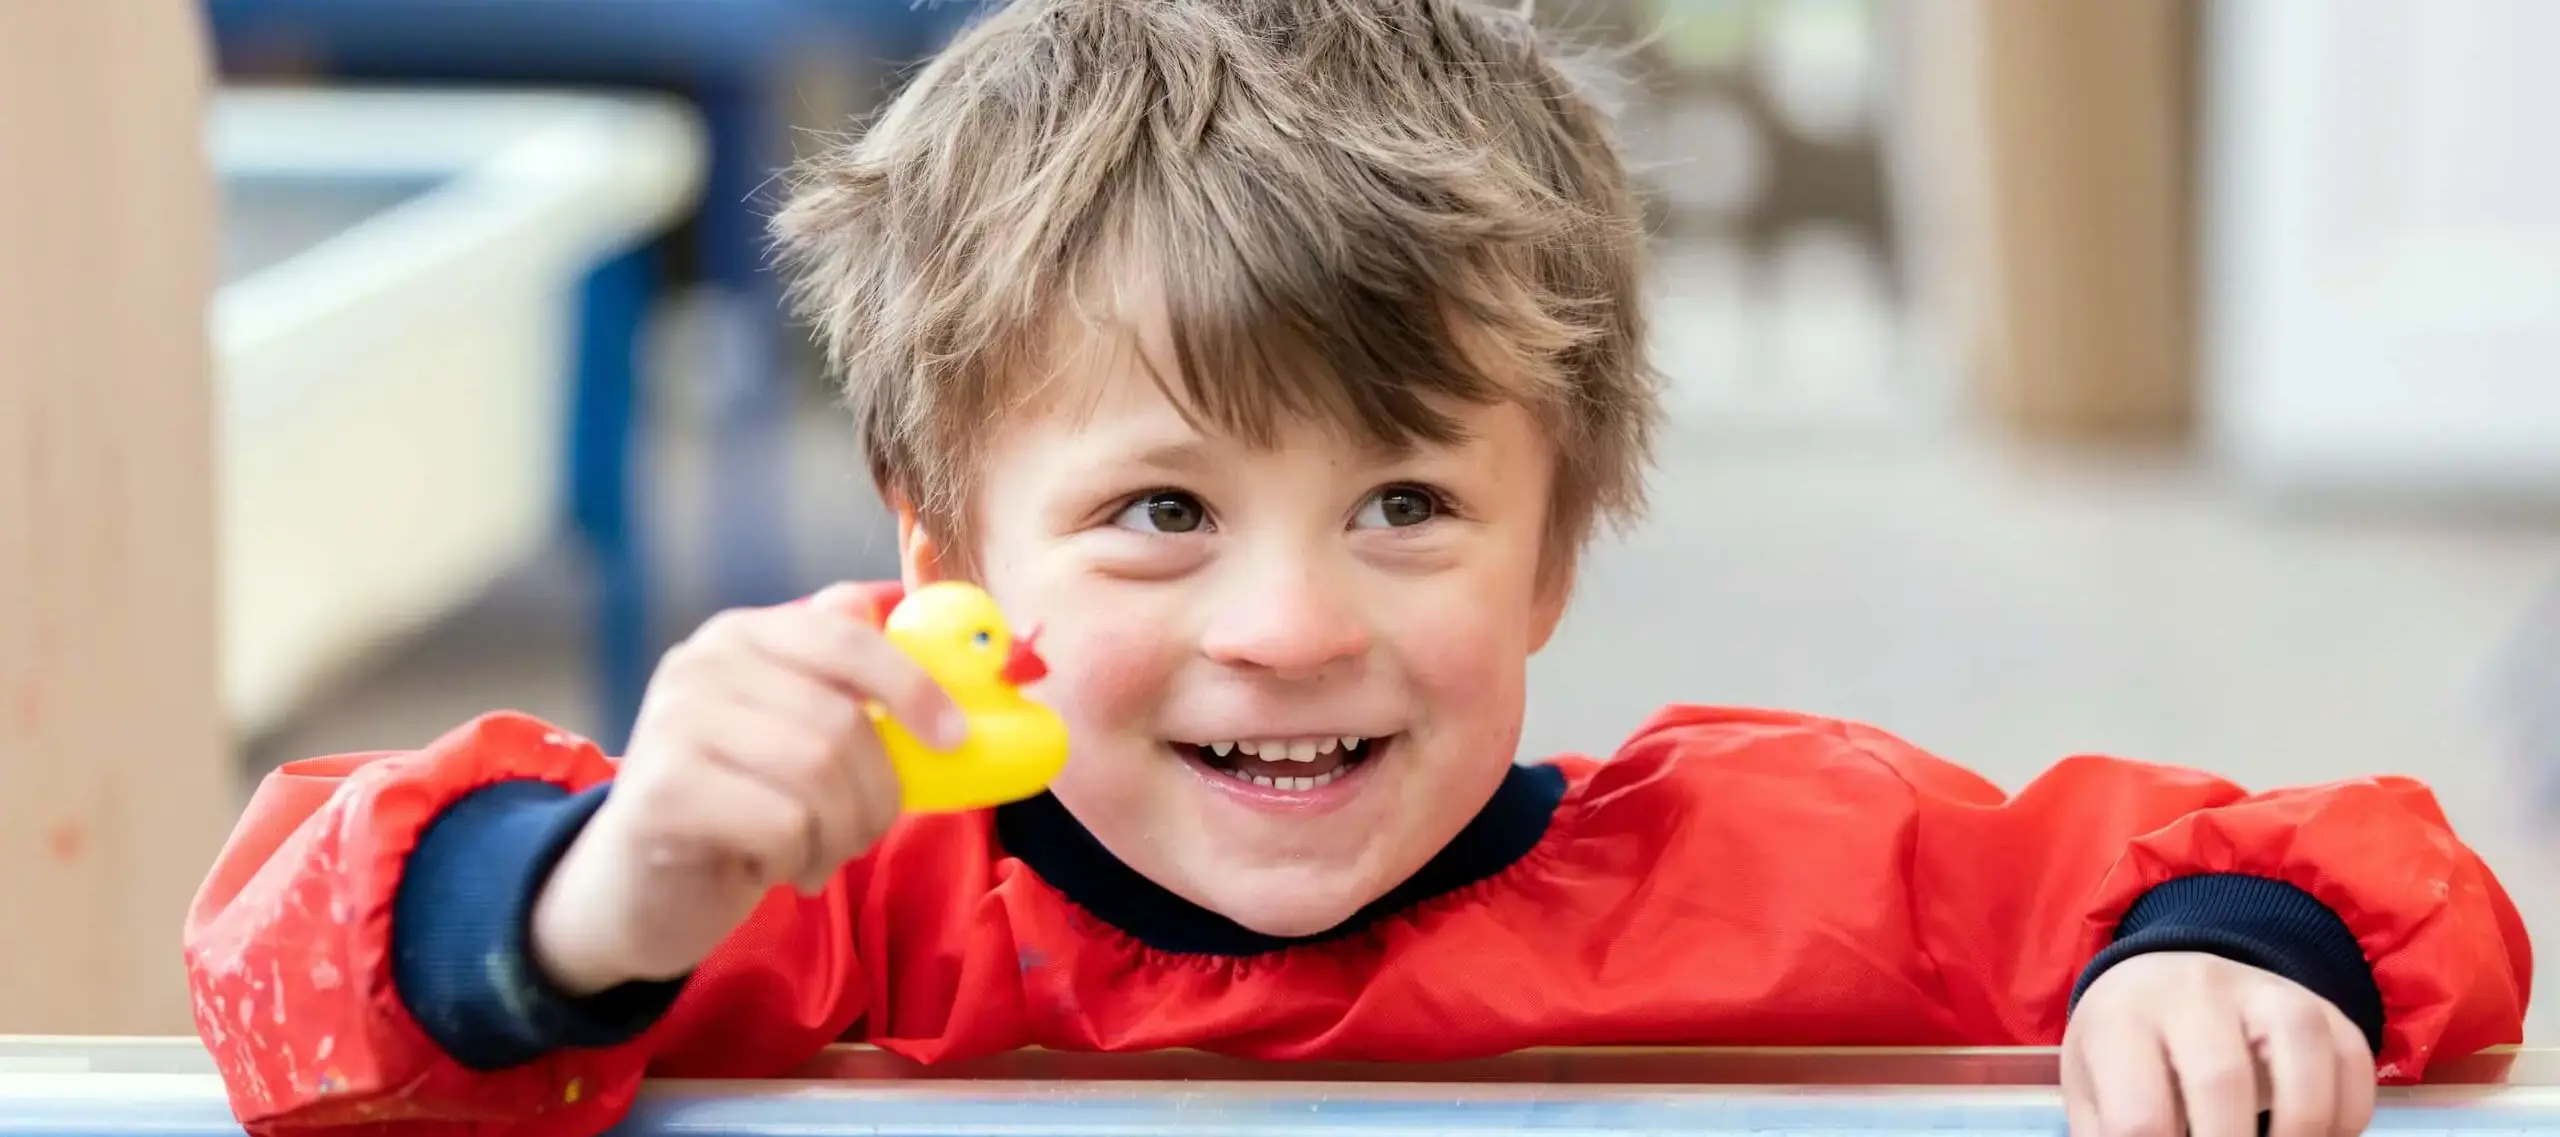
pixel 2220 1079
pixel 804 758
pixel 2300 1015
pixel 837 719
pixel 720 633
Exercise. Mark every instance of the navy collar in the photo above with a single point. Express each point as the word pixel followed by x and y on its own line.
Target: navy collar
pixel 1047 838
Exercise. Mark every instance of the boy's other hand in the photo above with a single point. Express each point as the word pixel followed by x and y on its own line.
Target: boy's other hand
pixel 752 765
pixel 2176 1043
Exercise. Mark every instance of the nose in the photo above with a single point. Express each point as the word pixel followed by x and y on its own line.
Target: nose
pixel 1292 624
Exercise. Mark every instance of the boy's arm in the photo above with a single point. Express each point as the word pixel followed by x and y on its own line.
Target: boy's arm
pixel 2358 890
pixel 357 952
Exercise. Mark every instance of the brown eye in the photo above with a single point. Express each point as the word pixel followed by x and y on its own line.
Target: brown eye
pixel 1169 511
pixel 1399 507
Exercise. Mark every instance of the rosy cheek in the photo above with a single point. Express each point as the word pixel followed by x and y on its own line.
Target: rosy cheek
pixel 1109 694
pixel 1459 672
pixel 1114 678
pixel 1455 643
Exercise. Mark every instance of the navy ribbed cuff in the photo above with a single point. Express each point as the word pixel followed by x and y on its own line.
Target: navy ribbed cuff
pixel 461 956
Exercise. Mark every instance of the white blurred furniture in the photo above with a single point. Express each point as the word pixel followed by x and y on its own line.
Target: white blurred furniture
pixel 2382 248
pixel 394 344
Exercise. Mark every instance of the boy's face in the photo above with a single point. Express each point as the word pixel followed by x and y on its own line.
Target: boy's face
pixel 1220 619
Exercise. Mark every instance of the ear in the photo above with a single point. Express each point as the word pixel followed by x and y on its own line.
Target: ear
pixel 1555 591
pixel 919 551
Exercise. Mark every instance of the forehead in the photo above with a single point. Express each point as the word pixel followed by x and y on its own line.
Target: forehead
pixel 1126 354
pixel 1116 383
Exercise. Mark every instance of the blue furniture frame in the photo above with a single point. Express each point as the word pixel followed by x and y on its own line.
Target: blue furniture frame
pixel 607 506
pixel 730 58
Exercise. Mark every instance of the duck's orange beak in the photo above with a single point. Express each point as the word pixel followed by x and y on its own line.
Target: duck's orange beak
pixel 1023 664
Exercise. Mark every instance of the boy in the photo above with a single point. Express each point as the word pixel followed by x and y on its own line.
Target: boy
pixel 1278 356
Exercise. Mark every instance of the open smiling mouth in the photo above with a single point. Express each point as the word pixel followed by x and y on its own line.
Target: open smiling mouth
pixel 1298 764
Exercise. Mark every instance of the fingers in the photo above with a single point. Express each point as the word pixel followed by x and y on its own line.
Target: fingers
pixel 732 815
pixel 2131 1090
pixel 2297 1049
pixel 802 765
pixel 800 735
pixel 854 779
pixel 2217 1076
pixel 2355 1077
pixel 2172 1044
pixel 782 692
pixel 2079 1103
pixel 777 698
pixel 843 649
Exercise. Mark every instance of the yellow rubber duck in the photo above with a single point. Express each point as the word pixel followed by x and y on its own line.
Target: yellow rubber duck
pixel 1015 746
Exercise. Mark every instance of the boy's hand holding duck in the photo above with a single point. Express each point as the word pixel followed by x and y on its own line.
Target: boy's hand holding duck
pixel 764 755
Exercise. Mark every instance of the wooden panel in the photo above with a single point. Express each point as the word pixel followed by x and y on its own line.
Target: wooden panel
pixel 115 783
pixel 2087 114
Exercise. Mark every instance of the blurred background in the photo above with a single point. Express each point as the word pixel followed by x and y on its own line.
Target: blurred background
pixel 2174 379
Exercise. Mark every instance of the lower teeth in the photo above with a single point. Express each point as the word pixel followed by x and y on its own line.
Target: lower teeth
pixel 1271 783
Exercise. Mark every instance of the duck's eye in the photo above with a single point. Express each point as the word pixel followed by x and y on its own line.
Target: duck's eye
pixel 982 639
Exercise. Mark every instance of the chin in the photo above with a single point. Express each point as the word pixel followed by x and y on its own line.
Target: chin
pixel 1292 919
pixel 1286 901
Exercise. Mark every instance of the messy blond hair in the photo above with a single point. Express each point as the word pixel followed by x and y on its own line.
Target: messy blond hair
pixel 1359 210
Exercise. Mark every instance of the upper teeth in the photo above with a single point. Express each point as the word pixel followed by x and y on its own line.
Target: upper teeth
pixel 1286 749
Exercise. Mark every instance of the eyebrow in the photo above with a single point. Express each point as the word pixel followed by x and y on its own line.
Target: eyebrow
pixel 1189 455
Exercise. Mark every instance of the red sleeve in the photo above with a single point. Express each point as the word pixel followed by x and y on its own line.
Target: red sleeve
pixel 2014 895
pixel 288 952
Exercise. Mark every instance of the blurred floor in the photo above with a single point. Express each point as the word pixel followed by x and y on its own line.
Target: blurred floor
pixel 1846 555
